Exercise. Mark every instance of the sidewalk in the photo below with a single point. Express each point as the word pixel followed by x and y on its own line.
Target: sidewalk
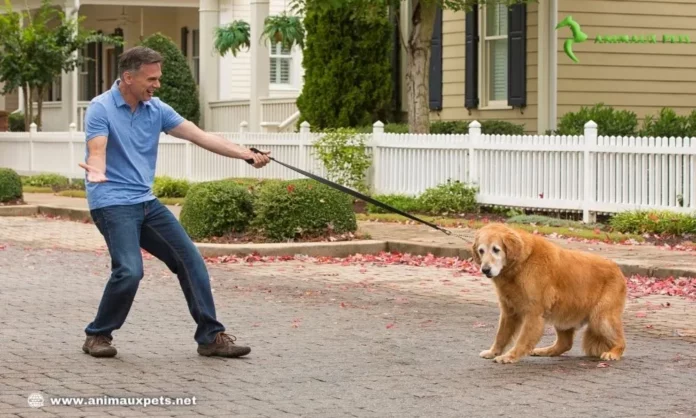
pixel 646 260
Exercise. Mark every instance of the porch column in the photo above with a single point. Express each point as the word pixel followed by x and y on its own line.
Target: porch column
pixel 69 81
pixel 2 97
pixel 209 19
pixel 260 63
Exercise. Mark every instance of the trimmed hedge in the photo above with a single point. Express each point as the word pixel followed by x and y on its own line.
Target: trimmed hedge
pixel 286 210
pixel 10 185
pixel 216 208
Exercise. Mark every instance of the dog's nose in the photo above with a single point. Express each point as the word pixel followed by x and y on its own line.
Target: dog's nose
pixel 486 270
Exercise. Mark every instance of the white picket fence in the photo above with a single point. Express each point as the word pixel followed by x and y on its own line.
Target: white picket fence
pixel 587 173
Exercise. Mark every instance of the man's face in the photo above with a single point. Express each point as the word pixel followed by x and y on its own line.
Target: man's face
pixel 143 83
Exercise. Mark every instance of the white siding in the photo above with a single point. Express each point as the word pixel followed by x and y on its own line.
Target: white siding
pixel 235 72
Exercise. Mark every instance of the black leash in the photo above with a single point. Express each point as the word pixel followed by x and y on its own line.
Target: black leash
pixel 358 195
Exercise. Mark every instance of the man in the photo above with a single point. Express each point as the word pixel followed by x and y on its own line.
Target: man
pixel 122 129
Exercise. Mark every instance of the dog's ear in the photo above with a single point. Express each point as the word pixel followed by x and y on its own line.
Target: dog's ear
pixel 514 246
pixel 474 250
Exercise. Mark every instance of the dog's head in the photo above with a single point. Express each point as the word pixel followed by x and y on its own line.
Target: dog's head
pixel 497 247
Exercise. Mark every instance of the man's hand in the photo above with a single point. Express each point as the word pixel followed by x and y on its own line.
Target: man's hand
pixel 260 159
pixel 94 175
pixel 96 162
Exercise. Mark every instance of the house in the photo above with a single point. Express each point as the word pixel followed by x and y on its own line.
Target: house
pixel 230 91
pixel 513 66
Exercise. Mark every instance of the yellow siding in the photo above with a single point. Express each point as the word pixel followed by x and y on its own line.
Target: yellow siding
pixel 637 77
pixel 453 75
pixel 12 102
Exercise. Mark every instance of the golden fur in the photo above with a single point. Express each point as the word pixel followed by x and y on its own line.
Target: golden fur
pixel 537 282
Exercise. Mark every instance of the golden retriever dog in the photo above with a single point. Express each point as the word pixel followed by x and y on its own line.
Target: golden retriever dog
pixel 537 282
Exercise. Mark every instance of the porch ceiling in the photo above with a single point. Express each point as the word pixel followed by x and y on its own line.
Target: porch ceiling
pixel 34 4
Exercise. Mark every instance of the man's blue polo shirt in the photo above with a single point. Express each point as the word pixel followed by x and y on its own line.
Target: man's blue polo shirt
pixel 131 148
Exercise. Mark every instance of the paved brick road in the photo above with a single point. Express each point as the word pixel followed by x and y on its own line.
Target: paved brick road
pixel 327 340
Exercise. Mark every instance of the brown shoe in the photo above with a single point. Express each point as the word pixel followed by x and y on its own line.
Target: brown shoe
pixel 223 346
pixel 99 346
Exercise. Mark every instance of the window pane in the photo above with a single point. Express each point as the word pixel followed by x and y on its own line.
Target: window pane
pixel 497 69
pixel 273 70
pixel 496 19
pixel 285 71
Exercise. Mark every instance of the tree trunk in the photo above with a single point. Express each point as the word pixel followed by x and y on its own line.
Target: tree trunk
pixel 40 94
pixel 27 107
pixel 418 72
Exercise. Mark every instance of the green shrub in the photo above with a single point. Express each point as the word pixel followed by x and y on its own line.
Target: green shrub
pixel 216 208
pixel 668 124
pixel 347 66
pixel 653 222
pixel 16 122
pixel 405 203
pixel 343 152
pixel 290 209
pixel 54 181
pixel 165 186
pixel 10 185
pixel 178 87
pixel 609 121
pixel 451 197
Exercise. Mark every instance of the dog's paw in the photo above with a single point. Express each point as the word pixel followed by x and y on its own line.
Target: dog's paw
pixel 609 356
pixel 506 359
pixel 487 354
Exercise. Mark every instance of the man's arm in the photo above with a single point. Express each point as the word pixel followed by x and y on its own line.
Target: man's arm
pixel 97 130
pixel 189 131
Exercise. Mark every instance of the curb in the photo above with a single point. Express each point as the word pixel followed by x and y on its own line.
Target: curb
pixel 334 249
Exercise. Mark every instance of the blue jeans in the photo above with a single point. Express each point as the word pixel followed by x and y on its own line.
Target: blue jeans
pixel 152 226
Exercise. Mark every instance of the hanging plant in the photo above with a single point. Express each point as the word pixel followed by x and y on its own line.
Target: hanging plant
pixel 284 29
pixel 232 37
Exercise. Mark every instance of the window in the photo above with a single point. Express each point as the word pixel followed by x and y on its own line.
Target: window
pixel 494 62
pixel 280 64
pixel 195 56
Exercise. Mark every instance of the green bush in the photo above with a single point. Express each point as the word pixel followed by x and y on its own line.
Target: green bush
pixel 165 186
pixel 305 208
pixel 609 121
pixel 10 185
pixel 653 222
pixel 344 154
pixel 16 122
pixel 54 181
pixel 347 66
pixel 216 208
pixel 178 87
pixel 408 204
pixel 451 197
pixel 669 124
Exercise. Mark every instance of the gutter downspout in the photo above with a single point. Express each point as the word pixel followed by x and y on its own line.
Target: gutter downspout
pixel 553 65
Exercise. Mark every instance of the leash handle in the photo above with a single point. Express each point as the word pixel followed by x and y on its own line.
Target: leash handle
pixel 250 160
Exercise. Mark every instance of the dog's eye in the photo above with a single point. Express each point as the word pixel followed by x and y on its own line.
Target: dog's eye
pixel 496 250
pixel 481 251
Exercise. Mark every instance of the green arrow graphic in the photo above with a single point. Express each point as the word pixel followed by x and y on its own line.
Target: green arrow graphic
pixel 578 36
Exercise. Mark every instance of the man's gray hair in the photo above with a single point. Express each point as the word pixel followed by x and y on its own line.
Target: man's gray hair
pixel 132 59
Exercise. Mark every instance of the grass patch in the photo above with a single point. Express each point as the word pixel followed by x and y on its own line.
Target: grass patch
pixel 72 193
pixel 37 189
pixel 543 225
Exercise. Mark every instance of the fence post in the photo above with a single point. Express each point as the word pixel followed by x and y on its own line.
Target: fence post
pixel 474 139
pixel 304 141
pixel 32 132
pixel 377 134
pixel 71 147
pixel 244 126
pixel 588 174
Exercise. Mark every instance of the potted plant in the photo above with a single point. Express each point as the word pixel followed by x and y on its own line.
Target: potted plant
pixel 232 37
pixel 284 29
